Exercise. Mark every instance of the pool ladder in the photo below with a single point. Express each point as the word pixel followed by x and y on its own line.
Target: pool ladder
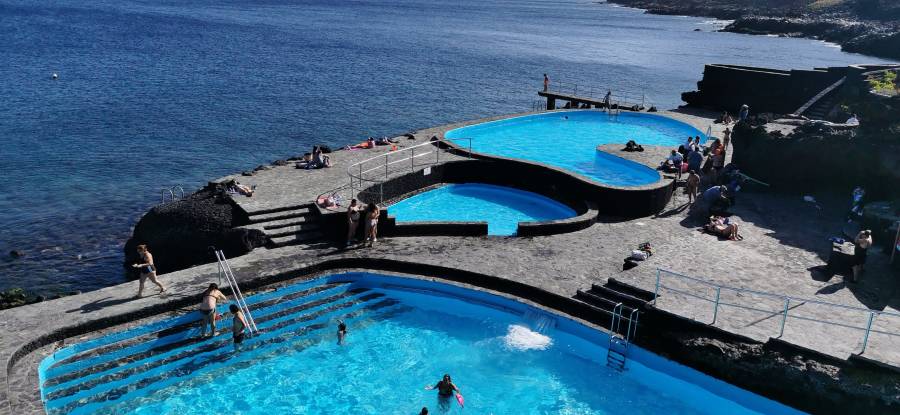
pixel 225 271
pixel 617 353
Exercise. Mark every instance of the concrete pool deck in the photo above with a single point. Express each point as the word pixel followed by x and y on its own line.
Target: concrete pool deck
pixel 784 248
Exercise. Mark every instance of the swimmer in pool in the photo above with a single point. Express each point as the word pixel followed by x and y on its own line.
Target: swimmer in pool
pixel 342 332
pixel 445 388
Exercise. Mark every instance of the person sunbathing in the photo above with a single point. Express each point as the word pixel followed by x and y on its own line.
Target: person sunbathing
pixel 723 227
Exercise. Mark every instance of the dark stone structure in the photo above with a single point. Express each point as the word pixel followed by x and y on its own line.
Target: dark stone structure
pixel 179 233
pixel 727 87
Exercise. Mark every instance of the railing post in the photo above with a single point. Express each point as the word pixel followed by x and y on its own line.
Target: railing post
pixel 787 303
pixel 868 330
pixel 656 291
pixel 412 159
pixel 386 166
pixel 716 309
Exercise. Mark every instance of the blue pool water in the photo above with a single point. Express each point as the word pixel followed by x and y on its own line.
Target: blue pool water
pixel 404 334
pixel 501 207
pixel 569 140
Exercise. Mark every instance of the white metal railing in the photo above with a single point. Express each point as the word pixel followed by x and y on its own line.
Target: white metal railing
pixel 622 98
pixel 787 303
pixel 225 271
pixel 376 170
pixel 171 192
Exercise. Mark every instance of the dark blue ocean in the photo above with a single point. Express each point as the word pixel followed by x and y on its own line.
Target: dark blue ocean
pixel 159 93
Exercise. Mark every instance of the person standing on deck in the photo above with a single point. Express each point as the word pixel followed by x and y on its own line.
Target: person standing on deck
pixel 352 222
pixel 745 112
pixel 606 98
pixel 546 82
pixel 862 243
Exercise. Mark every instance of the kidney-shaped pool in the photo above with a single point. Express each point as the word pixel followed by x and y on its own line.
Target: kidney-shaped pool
pixel 569 139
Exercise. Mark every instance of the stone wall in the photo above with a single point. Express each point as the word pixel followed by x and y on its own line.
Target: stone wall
pixel 727 87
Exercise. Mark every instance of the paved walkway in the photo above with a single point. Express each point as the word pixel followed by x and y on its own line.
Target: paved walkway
pixel 784 248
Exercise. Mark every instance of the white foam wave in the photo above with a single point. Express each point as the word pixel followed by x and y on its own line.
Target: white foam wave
pixel 522 338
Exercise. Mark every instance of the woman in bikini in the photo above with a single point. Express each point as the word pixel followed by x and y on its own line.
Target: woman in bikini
pixel 148 270
pixel 208 303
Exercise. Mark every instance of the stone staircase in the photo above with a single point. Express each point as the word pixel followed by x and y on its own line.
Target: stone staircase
pixel 605 297
pixel 821 109
pixel 288 225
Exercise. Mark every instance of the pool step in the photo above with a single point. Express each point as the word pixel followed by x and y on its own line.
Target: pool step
pixel 104 372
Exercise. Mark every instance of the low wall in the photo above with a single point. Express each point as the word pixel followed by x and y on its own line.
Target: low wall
pixel 727 87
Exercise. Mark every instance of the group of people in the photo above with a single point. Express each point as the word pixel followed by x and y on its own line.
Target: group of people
pixel 696 159
pixel 370 213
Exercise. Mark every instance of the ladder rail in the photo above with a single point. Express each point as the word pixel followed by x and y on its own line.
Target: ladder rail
pixel 242 302
pixel 225 269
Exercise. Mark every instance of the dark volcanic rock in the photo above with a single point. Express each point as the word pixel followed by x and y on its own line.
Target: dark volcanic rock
pixel 180 233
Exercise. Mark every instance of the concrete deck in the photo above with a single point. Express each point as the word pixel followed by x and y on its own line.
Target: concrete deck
pixel 784 249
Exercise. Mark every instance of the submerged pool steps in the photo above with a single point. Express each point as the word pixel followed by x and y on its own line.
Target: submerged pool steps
pixel 111 368
pixel 122 367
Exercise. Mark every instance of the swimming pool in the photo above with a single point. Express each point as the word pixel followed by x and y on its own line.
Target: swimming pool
pixel 501 207
pixel 404 334
pixel 569 139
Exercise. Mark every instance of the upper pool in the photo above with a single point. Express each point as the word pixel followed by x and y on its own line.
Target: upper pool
pixel 569 139
pixel 501 207
pixel 403 334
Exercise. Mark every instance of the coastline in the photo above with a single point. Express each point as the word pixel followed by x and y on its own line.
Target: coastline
pixel 843 27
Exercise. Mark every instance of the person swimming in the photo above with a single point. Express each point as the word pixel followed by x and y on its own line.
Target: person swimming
pixel 342 331
pixel 445 386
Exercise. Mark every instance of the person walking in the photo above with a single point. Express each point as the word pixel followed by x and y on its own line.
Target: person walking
pixel 147 269
pixel 546 82
pixel 352 221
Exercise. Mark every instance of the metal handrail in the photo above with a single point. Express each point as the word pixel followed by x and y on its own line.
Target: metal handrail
pixel 359 172
pixel 171 192
pixel 564 87
pixel 225 269
pixel 784 311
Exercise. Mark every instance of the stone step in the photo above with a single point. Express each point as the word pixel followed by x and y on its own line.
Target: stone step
pixel 281 215
pixel 276 225
pixel 616 296
pixel 601 302
pixel 293 230
pixel 295 239
pixel 278 209
pixel 629 289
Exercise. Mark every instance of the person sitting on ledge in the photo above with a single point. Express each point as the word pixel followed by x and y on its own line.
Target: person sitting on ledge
pixel 723 227
pixel 631 145
pixel 672 164
pixel 726 118
pixel 319 160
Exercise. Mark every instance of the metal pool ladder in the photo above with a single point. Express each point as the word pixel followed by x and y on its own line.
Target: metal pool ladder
pixel 617 353
pixel 225 271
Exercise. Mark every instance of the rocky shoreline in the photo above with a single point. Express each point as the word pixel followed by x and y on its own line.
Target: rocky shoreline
pixel 870 27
